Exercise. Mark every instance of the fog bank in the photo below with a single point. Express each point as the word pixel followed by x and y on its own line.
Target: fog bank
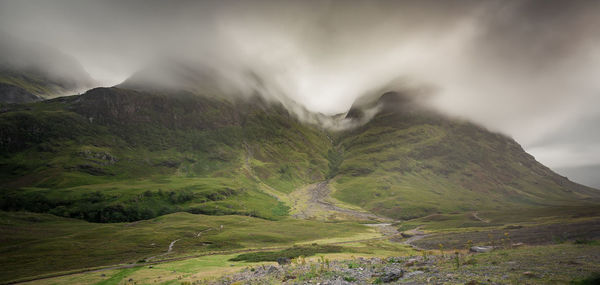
pixel 525 68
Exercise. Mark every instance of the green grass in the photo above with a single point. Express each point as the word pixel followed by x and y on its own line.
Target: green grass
pixel 409 165
pixel 117 278
pixel 84 160
pixel 502 219
pixel 35 244
pixel 133 200
pixel 401 165
pixel 591 280
pixel 290 253
pixel 211 266
pixel 539 226
pixel 550 264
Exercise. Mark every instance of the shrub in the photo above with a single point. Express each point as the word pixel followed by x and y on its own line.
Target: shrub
pixel 289 253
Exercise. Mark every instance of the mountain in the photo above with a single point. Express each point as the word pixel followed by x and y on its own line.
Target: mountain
pixel 113 178
pixel 32 72
pixel 118 154
pixel 409 161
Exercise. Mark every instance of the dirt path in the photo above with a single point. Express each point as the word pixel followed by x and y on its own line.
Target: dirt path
pixel 163 254
pixel 476 217
pixel 314 202
pixel 409 237
pixel 309 202
pixel 171 245
pixel 148 263
pixel 386 229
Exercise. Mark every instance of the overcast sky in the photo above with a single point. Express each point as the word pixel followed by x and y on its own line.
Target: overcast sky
pixel 529 69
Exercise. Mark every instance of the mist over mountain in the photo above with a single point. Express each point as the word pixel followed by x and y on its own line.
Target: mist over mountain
pixel 498 63
pixel 38 71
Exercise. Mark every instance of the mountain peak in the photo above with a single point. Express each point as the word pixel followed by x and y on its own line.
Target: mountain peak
pixel 389 101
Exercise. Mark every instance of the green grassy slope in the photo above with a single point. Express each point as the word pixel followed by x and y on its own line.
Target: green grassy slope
pixel 116 154
pixel 121 155
pixel 409 162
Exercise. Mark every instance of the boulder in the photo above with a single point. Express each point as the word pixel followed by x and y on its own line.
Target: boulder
pixel 283 261
pixel 411 262
pixel 272 270
pixel 392 275
pixel 481 249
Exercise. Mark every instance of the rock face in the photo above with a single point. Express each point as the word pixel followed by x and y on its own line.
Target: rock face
pixel 480 249
pixel 13 94
pixel 105 158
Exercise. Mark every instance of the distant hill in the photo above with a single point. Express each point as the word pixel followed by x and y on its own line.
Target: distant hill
pixel 587 175
pixel 30 72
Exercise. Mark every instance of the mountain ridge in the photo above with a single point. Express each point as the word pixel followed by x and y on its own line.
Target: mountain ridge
pixel 403 163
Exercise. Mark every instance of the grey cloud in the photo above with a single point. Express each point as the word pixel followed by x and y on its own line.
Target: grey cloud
pixel 525 68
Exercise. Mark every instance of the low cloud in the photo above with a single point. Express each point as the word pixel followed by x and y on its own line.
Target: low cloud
pixel 525 68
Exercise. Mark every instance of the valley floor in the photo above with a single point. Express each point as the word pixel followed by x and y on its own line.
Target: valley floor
pixel 338 244
pixel 547 264
pixel 557 247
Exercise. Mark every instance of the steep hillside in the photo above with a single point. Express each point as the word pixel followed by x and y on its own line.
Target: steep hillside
pixel 117 154
pixel 409 162
pixel 121 155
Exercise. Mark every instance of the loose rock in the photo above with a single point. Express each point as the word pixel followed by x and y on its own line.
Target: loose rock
pixel 481 249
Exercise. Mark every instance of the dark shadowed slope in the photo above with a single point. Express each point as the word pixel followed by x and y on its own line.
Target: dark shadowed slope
pixel 14 94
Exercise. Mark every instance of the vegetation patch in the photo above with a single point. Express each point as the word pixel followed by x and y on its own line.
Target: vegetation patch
pixel 592 280
pixel 292 252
